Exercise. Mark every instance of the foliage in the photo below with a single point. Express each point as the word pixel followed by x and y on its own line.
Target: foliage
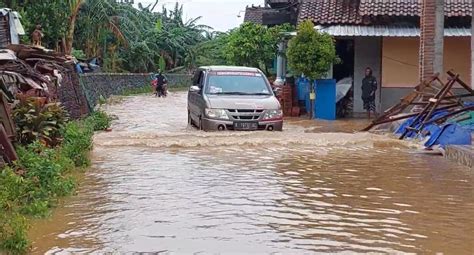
pixel 51 15
pixel 209 52
pixel 36 121
pixel 254 45
pixel 78 142
pixel 162 63
pixel 100 120
pixel 79 54
pixel 125 38
pixel 13 229
pixel 38 179
pixel 310 52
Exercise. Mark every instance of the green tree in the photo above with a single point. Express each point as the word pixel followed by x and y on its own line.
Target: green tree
pixel 253 45
pixel 126 38
pixel 310 52
pixel 51 15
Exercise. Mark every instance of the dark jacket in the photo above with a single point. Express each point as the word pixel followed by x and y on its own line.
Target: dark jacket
pixel 369 85
pixel 160 80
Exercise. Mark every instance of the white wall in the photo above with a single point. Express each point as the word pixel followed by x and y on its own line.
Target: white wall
pixel 367 54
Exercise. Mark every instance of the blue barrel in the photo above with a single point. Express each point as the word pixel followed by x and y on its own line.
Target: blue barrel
pixel 325 104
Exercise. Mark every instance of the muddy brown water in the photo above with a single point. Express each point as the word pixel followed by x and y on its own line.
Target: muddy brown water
pixel 159 186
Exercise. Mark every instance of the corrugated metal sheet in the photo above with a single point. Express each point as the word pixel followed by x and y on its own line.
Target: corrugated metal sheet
pixel 387 31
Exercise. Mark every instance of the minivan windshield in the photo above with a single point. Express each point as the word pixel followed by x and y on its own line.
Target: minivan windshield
pixel 237 83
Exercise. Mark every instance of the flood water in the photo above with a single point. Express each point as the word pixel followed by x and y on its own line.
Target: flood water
pixel 157 186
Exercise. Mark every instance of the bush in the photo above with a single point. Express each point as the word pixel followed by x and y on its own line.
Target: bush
pixel 41 176
pixel 77 143
pixel 38 121
pixel 99 120
pixel 13 232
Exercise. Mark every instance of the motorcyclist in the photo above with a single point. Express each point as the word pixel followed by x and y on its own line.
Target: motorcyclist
pixel 161 84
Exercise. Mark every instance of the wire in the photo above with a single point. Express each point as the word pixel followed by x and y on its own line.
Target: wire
pixel 401 62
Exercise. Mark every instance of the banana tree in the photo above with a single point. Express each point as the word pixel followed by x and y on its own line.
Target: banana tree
pixel 74 7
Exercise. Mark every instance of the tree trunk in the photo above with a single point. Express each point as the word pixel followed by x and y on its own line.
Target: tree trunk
pixel 75 5
pixel 70 34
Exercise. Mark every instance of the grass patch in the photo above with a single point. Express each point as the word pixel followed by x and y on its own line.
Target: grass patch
pixel 33 185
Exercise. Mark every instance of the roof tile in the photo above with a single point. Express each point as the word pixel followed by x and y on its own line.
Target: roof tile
pixel 329 11
pixel 355 11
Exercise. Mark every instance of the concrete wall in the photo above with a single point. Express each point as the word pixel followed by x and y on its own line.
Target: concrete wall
pixel 367 54
pixel 400 60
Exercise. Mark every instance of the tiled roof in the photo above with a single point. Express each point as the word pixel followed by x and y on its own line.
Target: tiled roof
pixel 452 8
pixel 458 8
pixel 329 11
pixel 389 7
pixel 354 11
pixel 254 14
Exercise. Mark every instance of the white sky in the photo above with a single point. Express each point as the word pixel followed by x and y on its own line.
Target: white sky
pixel 219 14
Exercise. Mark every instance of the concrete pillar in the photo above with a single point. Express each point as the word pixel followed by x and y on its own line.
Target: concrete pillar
pixel 280 76
pixel 432 38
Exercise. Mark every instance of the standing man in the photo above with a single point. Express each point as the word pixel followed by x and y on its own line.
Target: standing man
pixel 369 86
pixel 161 83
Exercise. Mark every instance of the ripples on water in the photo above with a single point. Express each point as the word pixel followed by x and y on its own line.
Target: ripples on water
pixel 157 186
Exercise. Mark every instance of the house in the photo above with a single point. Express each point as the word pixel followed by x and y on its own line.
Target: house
pixel 383 35
pixel 10 27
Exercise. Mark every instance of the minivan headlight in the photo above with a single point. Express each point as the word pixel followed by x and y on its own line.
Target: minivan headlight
pixel 217 114
pixel 273 114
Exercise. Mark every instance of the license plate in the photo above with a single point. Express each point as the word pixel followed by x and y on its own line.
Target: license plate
pixel 245 125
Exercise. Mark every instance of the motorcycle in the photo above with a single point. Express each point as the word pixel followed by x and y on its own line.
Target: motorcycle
pixel 163 92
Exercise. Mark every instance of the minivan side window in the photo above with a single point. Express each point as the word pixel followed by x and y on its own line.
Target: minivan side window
pixel 196 78
pixel 200 81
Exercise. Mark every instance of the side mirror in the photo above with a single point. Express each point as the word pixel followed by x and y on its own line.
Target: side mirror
pixel 276 91
pixel 195 89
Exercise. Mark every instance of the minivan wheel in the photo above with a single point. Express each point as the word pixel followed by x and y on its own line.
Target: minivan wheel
pixel 200 124
pixel 190 121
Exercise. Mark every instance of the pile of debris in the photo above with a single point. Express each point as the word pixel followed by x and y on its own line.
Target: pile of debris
pixel 27 71
pixel 434 113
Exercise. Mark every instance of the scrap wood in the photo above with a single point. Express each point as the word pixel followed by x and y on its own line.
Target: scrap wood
pixel 404 103
pixel 449 115
pixel 7 147
pixel 442 98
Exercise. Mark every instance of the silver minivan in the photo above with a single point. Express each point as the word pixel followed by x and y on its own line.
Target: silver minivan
pixel 233 98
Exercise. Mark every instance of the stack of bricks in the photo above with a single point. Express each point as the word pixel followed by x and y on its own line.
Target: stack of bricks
pixel 287 100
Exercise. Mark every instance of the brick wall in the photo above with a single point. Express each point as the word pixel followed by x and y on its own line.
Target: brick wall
pixel 431 44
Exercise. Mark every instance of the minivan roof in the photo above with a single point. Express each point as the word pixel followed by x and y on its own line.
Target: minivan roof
pixel 230 68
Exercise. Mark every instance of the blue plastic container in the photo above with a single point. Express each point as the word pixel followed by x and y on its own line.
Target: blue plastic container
pixel 325 104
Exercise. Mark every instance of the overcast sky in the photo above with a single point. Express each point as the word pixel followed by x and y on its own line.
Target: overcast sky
pixel 219 14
